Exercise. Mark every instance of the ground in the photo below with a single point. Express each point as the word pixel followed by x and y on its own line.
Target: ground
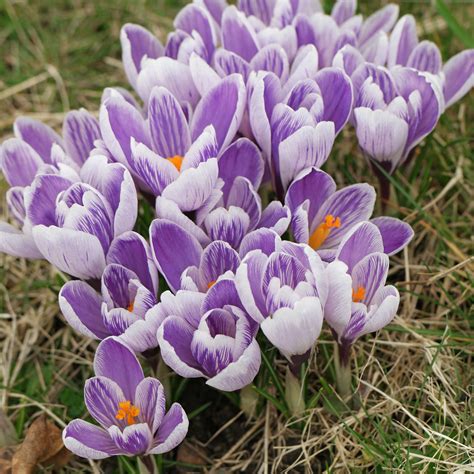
pixel 414 377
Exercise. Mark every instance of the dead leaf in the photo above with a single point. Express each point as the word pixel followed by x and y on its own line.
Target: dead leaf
pixel 43 445
pixel 190 454
pixel 7 431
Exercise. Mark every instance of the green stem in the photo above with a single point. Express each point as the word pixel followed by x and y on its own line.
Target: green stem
pixel 147 465
pixel 342 365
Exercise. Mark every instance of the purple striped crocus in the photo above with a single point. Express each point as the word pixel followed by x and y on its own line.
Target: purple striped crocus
pixel 128 290
pixel 38 149
pixel 73 224
pixel 322 216
pixel 168 155
pixel 282 286
pixel 359 301
pixel 456 77
pixel 209 335
pixel 129 407
pixel 296 129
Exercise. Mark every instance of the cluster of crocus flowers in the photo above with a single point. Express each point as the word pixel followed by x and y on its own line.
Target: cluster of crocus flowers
pixel 238 112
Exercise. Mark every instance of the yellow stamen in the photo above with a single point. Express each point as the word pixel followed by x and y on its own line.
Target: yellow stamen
pixel 358 296
pixel 211 284
pixel 131 306
pixel 177 161
pixel 323 230
pixel 127 411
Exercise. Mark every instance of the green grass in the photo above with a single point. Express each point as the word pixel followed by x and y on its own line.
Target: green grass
pixel 416 376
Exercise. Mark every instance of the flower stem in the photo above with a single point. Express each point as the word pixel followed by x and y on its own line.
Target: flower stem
pixel 294 393
pixel 342 364
pixel 147 465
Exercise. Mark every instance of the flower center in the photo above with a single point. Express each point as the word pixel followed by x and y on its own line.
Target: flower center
pixel 323 230
pixel 177 161
pixel 131 306
pixel 127 411
pixel 358 295
pixel 211 284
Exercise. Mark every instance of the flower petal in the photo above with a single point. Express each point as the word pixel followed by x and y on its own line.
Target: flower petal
pixel 396 234
pixel 117 362
pixel 174 250
pixel 172 430
pixel 80 305
pixel 89 441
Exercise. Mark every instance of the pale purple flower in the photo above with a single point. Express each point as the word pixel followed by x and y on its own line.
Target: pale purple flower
pixel 209 335
pixel 283 287
pixel 456 76
pixel 358 300
pixel 73 224
pixel 38 149
pixel 322 216
pixel 394 110
pixel 129 407
pixel 168 155
pixel 128 291
pixel 297 130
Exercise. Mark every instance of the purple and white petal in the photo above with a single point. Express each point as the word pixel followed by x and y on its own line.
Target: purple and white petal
pixel 239 373
pixel 117 362
pixel 80 305
pixel 426 57
pixel 403 41
pixel 137 44
pixel 172 431
pixel 294 331
pixel 174 250
pixel 168 126
pixel 275 217
pixel 89 441
pixel 38 135
pixel 133 440
pixel 19 162
pixel 223 108
pixel 396 234
pixel 16 243
pixel 74 252
pixel 150 399
pixel 382 20
pixel 363 239
pixel 459 76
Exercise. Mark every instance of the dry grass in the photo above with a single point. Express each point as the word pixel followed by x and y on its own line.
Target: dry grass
pixel 414 378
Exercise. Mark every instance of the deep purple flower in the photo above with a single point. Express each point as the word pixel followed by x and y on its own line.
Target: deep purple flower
pixel 209 335
pixel 282 286
pixel 358 301
pixel 121 308
pixel 73 224
pixel 130 408
pixel 322 216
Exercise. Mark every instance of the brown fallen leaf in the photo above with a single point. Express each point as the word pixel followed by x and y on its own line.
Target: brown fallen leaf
pixel 43 445
pixel 190 454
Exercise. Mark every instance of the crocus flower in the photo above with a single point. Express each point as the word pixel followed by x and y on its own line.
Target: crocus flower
pixel 283 288
pixel 209 335
pixel 38 149
pixel 178 161
pixel 322 216
pixel 359 302
pixel 129 407
pixel 298 131
pixel 330 33
pixel 393 111
pixel 121 307
pixel 73 224
pixel 456 76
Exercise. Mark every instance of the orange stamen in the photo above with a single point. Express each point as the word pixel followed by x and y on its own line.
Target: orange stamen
pixel 130 306
pixel 127 411
pixel 323 230
pixel 211 284
pixel 177 161
pixel 358 296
